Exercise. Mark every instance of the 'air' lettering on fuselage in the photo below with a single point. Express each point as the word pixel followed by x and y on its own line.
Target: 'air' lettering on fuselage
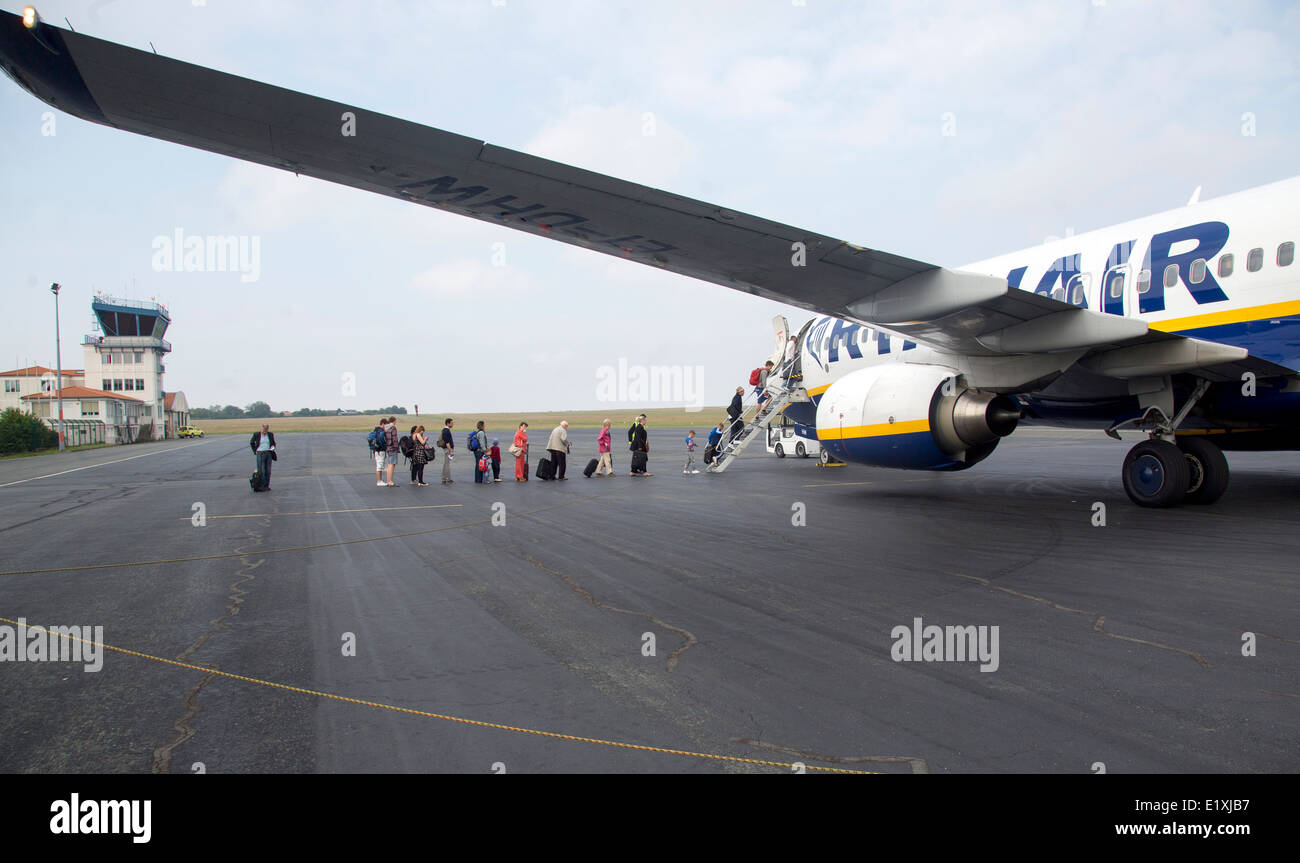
pixel 1209 237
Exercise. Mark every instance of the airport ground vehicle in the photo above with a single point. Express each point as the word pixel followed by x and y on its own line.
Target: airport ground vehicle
pixel 787 437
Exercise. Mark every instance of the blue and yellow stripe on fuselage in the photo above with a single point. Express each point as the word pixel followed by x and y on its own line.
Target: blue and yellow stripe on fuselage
pixel 1270 332
pixel 908 445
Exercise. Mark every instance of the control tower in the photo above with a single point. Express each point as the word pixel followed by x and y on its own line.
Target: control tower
pixel 126 357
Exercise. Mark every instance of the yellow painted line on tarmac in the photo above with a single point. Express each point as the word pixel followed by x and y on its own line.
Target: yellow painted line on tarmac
pixel 736 759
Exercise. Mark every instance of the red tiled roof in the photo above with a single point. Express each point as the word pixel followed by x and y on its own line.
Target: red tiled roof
pixel 37 371
pixel 82 393
pixel 168 398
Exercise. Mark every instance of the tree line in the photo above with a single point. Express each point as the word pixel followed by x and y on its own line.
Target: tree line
pixel 260 410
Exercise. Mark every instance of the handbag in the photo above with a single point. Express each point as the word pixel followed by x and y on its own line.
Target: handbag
pixel 516 451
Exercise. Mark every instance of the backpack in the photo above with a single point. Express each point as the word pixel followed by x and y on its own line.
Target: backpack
pixel 406 445
pixel 472 442
pixel 753 376
pixel 375 438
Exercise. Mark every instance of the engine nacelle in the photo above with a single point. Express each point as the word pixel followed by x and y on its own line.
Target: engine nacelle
pixel 917 417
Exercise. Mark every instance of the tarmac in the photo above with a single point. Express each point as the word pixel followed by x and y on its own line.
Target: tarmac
pixel 743 622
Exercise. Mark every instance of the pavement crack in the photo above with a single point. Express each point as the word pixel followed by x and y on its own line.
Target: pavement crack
pixel 1098 620
pixel 688 640
pixel 184 728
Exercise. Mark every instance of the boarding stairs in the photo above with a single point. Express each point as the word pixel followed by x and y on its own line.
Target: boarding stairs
pixel 756 421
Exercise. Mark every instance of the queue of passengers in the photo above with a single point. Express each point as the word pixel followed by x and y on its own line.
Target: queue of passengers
pixel 420 448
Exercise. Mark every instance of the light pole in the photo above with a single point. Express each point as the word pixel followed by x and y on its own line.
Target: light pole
pixel 58 360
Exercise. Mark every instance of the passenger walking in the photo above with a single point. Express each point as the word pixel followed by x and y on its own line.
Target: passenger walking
pixel 690 452
pixel 791 351
pixel 558 448
pixel 495 452
pixel 640 447
pixel 419 455
pixel 519 449
pixel 448 448
pixel 263 444
pixel 606 465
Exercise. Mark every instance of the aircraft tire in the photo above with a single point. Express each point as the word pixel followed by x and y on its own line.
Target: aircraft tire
pixel 1156 474
pixel 1207 470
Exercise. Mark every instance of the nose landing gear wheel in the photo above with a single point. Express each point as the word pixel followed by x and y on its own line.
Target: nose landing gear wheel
pixel 1156 474
pixel 825 457
pixel 1207 470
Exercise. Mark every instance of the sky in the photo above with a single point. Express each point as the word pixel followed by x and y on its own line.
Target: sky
pixel 946 132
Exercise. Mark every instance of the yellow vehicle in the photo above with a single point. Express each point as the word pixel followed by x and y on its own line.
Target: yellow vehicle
pixel 189 431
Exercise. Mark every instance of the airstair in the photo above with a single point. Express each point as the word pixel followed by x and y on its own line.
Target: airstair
pixel 754 420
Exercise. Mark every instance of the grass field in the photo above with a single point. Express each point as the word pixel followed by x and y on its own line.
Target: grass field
pixel 500 423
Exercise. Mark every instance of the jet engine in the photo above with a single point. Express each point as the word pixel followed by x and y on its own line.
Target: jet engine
pixel 917 417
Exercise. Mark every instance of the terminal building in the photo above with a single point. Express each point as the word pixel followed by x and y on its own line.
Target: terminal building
pixel 118 397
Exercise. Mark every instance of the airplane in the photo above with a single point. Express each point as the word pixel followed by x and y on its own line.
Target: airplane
pixel 1181 326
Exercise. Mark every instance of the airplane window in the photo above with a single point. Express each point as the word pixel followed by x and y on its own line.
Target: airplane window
pixel 1255 261
pixel 1197 274
pixel 1117 285
pixel 1171 275
pixel 1078 288
pixel 1058 293
pixel 1285 254
pixel 1225 266
pixel 1144 281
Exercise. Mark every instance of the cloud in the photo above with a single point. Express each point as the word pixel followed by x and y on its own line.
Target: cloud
pixel 635 144
pixel 465 277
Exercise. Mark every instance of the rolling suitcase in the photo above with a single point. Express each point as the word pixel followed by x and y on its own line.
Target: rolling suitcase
pixel 545 470
pixel 255 481
pixel 590 468
pixel 639 460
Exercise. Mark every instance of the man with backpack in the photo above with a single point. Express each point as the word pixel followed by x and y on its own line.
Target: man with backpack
pixel 758 377
pixel 477 444
pixel 447 449
pixel 378 449
pixel 390 450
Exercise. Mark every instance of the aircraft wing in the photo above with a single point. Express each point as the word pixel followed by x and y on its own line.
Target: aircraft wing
pixel 152 95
